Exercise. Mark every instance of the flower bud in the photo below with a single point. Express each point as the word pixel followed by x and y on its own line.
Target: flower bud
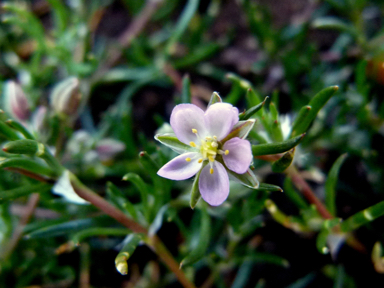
pixel 16 103
pixel 108 148
pixel 65 96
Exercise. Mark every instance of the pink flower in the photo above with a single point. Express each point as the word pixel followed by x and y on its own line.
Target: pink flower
pixel 212 142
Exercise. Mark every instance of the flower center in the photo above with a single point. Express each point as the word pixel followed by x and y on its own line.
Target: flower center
pixel 209 148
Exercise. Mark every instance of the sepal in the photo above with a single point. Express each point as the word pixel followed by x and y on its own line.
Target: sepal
pixel 247 179
pixel 171 141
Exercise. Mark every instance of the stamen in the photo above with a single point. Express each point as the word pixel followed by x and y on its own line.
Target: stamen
pixel 188 159
pixel 214 144
pixel 194 131
pixel 214 137
pixel 200 160
pixel 208 138
pixel 192 144
pixel 226 152
pixel 211 170
pixel 211 159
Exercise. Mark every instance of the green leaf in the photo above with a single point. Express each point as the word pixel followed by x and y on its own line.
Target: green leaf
pixel 143 189
pixel 98 231
pixel 292 194
pixel 205 235
pixel 251 111
pixel 130 244
pixel 253 98
pixel 171 141
pixel 334 23
pixel 243 274
pixel 316 104
pixel 23 191
pixel 241 130
pixel 269 188
pixel 120 200
pixel 20 128
pixel 7 132
pixel 22 146
pixel 363 217
pixel 284 162
pixel 158 222
pixel 186 90
pixel 330 185
pixel 301 116
pixel 239 86
pixel 70 227
pixel 182 24
pixel 276 148
pixel 27 164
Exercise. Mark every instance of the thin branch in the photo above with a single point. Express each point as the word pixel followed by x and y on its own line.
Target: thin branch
pixel 18 232
pixel 153 242
pixel 307 192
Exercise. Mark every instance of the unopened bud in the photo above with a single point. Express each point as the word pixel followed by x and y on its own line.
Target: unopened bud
pixel 108 148
pixel 16 103
pixel 65 96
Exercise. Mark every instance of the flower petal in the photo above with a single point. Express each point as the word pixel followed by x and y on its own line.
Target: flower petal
pixel 240 155
pixel 180 169
pixel 186 117
pixel 214 188
pixel 220 119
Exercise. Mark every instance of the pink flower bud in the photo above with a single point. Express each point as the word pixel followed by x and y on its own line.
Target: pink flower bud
pixel 108 148
pixel 65 96
pixel 16 103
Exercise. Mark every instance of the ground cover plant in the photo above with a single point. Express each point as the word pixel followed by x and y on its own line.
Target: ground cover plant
pixel 191 143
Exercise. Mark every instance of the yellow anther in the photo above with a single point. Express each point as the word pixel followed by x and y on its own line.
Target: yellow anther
pixel 208 138
pixel 188 159
pixel 192 144
pixel 226 152
pixel 194 131
pixel 200 160
pixel 211 158
pixel 211 170
pixel 214 137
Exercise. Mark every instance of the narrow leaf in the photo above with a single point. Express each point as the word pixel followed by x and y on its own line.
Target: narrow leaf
pixel 251 111
pixel 26 164
pixel 363 217
pixel 330 185
pixel 20 128
pixel 284 162
pixel 205 235
pixel 130 244
pixel 316 104
pixel 276 148
pixel 186 90
pixel 23 191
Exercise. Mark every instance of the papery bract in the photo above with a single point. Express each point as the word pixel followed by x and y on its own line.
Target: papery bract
pixel 202 133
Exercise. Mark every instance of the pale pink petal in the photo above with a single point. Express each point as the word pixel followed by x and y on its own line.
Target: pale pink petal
pixel 214 188
pixel 220 119
pixel 179 168
pixel 240 155
pixel 186 117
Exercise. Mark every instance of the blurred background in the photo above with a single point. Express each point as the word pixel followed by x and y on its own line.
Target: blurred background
pixel 131 62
